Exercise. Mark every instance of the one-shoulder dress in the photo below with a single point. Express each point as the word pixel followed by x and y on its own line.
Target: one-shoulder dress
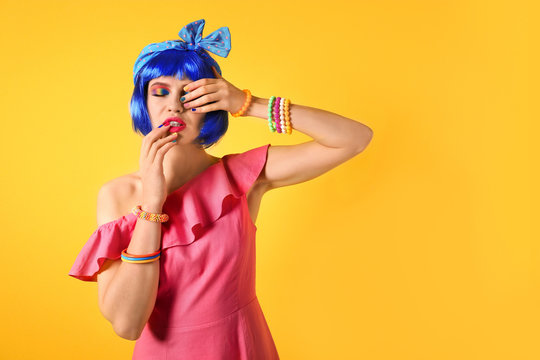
pixel 206 306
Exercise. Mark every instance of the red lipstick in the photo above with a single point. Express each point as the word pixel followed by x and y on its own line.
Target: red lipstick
pixel 175 128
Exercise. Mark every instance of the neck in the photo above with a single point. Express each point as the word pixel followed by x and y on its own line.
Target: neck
pixel 184 162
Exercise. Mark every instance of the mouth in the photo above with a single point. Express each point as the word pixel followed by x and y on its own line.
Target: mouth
pixel 177 124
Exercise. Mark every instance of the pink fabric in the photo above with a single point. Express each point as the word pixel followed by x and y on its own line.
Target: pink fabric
pixel 206 306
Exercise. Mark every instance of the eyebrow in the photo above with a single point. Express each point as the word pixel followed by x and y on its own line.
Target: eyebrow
pixel 160 83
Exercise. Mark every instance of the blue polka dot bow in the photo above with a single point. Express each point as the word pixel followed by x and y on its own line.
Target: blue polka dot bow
pixel 218 42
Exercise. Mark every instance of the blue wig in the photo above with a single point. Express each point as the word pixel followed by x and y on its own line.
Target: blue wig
pixel 181 64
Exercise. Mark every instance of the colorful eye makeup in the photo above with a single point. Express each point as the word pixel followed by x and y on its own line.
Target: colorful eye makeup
pixel 159 91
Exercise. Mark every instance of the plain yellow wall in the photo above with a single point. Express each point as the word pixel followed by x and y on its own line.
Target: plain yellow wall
pixel 421 247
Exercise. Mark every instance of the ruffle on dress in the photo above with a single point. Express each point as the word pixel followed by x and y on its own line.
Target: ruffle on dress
pixel 191 208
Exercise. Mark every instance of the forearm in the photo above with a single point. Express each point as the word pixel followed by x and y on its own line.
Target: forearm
pixel 131 296
pixel 326 128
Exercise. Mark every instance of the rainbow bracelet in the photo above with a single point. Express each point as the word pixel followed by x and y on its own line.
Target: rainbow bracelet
pixel 141 214
pixel 140 259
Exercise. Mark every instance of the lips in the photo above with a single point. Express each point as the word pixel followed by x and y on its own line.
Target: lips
pixel 175 127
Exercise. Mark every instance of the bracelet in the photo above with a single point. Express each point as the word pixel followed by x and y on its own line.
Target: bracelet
pixel 276 114
pixel 148 215
pixel 279 119
pixel 140 259
pixel 286 112
pixel 246 104
pixel 282 116
pixel 271 124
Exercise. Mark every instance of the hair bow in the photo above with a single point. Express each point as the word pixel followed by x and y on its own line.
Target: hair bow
pixel 218 42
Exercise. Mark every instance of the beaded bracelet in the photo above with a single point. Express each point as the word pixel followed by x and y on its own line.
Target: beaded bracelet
pixel 276 114
pixel 279 115
pixel 148 215
pixel 140 259
pixel 246 104
pixel 271 124
pixel 287 117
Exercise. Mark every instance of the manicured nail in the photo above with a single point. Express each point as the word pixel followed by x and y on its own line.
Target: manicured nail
pixel 182 98
pixel 160 125
pixel 193 109
pixel 174 141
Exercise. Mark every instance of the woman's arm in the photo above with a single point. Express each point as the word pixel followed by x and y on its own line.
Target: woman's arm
pixel 336 140
pixel 127 292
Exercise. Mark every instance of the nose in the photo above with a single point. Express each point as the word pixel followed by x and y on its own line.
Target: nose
pixel 175 105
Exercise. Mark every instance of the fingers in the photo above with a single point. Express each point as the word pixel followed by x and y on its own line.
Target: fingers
pixel 200 96
pixel 207 108
pixel 160 147
pixel 151 137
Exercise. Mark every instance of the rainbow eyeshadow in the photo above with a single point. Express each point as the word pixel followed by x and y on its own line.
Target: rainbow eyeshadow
pixel 159 91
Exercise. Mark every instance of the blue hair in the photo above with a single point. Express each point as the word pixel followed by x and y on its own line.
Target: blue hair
pixel 194 65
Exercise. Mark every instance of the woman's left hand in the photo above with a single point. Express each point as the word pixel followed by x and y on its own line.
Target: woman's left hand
pixel 209 94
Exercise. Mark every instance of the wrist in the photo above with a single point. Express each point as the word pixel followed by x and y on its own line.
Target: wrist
pixel 257 108
pixel 152 207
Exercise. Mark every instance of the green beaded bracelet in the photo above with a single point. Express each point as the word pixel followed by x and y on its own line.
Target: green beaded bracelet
pixel 271 122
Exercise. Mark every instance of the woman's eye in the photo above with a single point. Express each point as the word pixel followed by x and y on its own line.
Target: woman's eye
pixel 159 92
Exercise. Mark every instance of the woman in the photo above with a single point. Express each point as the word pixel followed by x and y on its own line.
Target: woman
pixel 174 253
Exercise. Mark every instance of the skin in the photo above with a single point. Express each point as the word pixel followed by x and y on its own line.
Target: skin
pixel 187 159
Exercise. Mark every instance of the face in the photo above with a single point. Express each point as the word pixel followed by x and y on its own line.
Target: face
pixel 163 102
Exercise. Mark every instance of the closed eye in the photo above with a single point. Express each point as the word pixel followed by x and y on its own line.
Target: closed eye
pixel 159 92
pixel 162 92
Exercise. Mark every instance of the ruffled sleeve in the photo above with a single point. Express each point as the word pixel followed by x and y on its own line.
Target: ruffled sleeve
pixel 245 168
pixel 192 208
pixel 210 195
pixel 106 242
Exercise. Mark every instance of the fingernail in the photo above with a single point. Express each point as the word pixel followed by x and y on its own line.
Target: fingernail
pixel 160 125
pixel 174 141
pixel 182 98
pixel 193 109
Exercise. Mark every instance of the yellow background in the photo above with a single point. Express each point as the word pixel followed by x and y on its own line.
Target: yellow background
pixel 421 247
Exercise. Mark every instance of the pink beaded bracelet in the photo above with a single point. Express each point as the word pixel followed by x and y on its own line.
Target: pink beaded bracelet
pixel 276 114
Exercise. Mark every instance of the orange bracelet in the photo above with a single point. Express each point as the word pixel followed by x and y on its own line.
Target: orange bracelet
pixel 246 104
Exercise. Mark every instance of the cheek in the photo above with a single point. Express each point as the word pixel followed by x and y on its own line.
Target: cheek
pixel 151 109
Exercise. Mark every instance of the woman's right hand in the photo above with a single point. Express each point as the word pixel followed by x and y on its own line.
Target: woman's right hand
pixel 154 147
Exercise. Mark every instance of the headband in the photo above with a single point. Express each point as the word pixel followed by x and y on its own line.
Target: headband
pixel 218 42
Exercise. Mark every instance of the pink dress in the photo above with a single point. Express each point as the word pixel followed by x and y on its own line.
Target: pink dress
pixel 206 306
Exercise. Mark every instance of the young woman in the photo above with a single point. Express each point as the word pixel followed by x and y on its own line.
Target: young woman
pixel 174 253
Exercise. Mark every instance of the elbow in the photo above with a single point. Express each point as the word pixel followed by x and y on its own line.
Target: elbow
pixel 122 327
pixel 364 139
pixel 125 328
pixel 127 332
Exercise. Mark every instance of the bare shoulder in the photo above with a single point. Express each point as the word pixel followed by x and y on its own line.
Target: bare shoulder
pixel 116 198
